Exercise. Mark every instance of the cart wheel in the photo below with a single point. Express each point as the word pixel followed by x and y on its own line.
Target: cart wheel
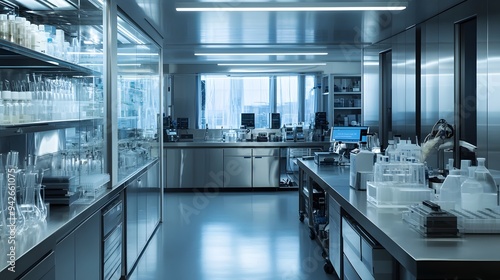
pixel 323 254
pixel 312 234
pixel 301 218
pixel 328 267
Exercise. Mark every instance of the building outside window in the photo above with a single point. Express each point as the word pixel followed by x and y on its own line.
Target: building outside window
pixel 223 98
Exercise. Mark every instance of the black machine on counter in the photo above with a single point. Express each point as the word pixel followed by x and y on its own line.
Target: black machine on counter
pixel 431 221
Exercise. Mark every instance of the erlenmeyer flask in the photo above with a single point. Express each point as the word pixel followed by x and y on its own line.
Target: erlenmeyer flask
pixel 28 197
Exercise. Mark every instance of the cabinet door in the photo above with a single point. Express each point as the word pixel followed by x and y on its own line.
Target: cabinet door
pixel 142 208
pixel 193 167
pixel 153 198
pixel 78 256
pixel 131 227
pixel 44 270
pixel 266 172
pixel 65 258
pixel 238 171
pixel 88 249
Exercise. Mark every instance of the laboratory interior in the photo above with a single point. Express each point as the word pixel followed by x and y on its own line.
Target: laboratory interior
pixel 269 140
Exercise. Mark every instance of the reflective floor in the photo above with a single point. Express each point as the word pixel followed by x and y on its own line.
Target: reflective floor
pixel 231 236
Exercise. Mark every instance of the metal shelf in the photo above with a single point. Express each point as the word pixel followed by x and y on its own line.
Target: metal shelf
pixel 14 56
pixel 22 128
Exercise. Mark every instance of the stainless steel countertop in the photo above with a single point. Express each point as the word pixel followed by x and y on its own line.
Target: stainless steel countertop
pixel 468 256
pixel 33 244
pixel 254 144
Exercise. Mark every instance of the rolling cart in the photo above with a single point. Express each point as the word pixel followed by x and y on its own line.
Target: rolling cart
pixel 313 210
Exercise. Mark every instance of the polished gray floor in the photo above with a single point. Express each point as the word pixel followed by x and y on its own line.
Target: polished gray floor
pixel 231 236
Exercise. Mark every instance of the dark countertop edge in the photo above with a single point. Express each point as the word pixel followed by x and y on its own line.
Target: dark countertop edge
pixel 202 144
pixel 44 247
pixel 426 267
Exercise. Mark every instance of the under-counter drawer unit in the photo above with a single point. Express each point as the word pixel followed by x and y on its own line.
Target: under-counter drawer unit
pixel 112 236
pixel 368 258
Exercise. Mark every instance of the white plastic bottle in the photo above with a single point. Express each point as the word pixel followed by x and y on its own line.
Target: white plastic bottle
pixel 483 175
pixel 464 169
pixel 450 192
pixel 471 192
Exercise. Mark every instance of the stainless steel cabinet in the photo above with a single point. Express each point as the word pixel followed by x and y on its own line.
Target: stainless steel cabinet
pixel 43 270
pixel 335 235
pixel 142 213
pixel 78 256
pixel 194 168
pixel 238 168
pixel 266 168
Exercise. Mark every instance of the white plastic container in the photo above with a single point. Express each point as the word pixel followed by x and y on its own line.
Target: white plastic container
pixel 450 192
pixel 471 192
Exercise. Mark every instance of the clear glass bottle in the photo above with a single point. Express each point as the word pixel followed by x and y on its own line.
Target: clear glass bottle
pixel 27 34
pixel 471 192
pixel 15 112
pixel 12 28
pixel 4 27
pixel 390 151
pixel 7 99
pixel 20 34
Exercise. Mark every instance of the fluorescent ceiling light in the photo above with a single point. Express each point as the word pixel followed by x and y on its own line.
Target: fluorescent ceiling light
pixel 256 54
pixel 271 64
pixel 288 6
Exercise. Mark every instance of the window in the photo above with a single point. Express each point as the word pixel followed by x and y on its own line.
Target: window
pixel 223 99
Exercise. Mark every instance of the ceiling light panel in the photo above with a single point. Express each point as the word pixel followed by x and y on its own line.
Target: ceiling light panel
pixel 288 6
pixel 261 54
pixel 271 64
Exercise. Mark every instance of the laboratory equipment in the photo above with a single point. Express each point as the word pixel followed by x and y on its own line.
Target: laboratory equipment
pixel 431 221
pixel 399 179
pixel 248 120
pixel 361 168
pixel 275 120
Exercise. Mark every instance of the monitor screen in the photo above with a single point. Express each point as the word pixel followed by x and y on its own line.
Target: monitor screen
pixel 349 134
pixel 248 120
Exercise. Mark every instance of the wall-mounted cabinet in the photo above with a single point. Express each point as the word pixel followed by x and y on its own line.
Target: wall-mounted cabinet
pixel 52 113
pixel 347 100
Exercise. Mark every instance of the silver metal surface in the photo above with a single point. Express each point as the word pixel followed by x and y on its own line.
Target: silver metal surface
pixel 218 144
pixel 422 257
pixel 238 168
pixel 194 167
pixel 266 168
pixel 493 85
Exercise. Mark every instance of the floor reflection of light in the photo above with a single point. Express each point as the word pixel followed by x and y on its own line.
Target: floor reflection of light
pixel 252 254
pixel 287 249
pixel 216 249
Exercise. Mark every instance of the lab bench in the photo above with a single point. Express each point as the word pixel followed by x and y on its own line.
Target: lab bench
pixel 367 242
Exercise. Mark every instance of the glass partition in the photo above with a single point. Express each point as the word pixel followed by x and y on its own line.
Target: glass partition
pixel 138 99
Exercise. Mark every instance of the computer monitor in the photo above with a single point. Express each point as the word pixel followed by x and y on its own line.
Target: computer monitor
pixel 248 120
pixel 349 134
